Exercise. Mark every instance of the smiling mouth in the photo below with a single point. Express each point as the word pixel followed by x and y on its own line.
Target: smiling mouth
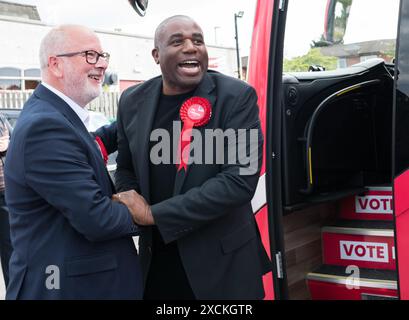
pixel 190 68
pixel 189 64
pixel 96 77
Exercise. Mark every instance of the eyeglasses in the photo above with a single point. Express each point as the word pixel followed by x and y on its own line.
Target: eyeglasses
pixel 91 56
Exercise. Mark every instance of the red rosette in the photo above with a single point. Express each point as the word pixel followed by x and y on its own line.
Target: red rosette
pixel 196 109
pixel 194 112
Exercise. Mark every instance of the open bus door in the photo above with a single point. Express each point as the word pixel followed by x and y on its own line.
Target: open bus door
pixel 327 116
pixel 401 151
pixel 265 67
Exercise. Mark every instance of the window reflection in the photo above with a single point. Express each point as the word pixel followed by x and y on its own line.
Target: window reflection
pixel 10 72
pixel 17 79
pixel 341 36
pixel 10 84
pixel 32 73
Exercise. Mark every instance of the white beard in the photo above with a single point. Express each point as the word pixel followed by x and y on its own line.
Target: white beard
pixel 79 88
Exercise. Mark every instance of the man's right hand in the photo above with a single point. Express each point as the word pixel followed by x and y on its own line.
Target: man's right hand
pixel 137 205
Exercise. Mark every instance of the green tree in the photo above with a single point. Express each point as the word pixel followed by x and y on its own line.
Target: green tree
pixel 313 57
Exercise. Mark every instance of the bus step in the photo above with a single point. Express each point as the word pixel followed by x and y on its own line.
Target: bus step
pixel 330 282
pixel 375 204
pixel 366 244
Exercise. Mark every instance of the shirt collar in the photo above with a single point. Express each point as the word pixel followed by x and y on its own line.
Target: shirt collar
pixel 82 113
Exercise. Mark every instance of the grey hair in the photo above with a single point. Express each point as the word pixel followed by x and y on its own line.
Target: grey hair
pixel 56 41
pixel 52 44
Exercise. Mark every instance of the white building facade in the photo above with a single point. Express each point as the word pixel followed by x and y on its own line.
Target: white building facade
pixel 131 59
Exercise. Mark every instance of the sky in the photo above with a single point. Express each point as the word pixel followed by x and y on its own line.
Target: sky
pixel 216 17
pixel 305 19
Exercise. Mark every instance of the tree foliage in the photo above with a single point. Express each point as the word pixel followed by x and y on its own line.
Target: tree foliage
pixel 313 57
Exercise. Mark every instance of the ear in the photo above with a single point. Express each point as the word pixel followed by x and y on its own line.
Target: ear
pixel 55 66
pixel 155 55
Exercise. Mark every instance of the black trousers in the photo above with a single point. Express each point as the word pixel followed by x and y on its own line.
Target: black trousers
pixel 167 278
pixel 5 243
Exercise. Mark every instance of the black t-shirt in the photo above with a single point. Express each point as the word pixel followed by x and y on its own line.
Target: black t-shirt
pixel 167 278
pixel 162 176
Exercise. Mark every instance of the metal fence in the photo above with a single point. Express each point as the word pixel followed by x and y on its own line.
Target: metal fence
pixel 106 103
pixel 13 99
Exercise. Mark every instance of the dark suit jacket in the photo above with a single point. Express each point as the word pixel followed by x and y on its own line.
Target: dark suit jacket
pixel 66 232
pixel 108 135
pixel 210 215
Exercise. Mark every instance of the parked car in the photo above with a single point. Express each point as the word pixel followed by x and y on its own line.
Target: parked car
pixel 97 120
pixel 11 115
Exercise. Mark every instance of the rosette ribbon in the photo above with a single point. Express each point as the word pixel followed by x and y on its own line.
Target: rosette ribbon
pixel 194 112
pixel 102 149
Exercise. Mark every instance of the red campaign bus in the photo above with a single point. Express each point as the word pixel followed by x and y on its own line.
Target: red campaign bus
pixel 332 77
pixel 333 95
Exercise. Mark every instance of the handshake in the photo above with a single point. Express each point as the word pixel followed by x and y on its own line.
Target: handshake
pixel 137 206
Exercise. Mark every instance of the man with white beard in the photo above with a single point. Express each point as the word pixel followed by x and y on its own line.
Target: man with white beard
pixel 70 240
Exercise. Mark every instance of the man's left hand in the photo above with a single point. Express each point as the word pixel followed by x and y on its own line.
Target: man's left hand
pixel 137 205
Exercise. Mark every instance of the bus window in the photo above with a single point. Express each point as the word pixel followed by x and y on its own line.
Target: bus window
pixel 339 33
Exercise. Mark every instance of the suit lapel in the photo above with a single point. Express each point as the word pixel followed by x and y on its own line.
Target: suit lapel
pixel 60 105
pixel 148 104
pixel 204 90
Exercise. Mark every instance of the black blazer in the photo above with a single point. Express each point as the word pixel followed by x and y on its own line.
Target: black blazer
pixel 108 135
pixel 210 215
